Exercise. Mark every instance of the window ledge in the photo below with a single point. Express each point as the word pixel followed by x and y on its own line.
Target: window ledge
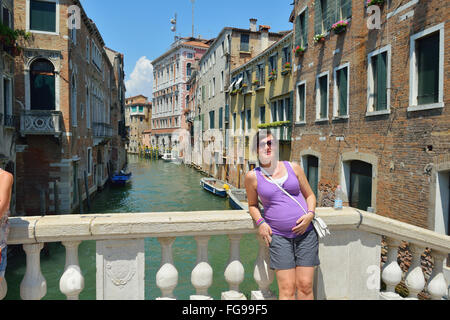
pixel 432 106
pixel 45 32
pixel 322 120
pixel 377 113
pixel 260 88
pixel 346 117
pixel 300 123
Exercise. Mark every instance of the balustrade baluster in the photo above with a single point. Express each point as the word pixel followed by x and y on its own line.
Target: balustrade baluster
pixel 167 276
pixel 415 280
pixel 33 285
pixel 234 273
pixel 3 289
pixel 437 284
pixel 202 275
pixel 72 281
pixel 392 273
pixel 263 275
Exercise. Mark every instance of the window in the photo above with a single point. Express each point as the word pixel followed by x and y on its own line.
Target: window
pixel 249 120
pixel 96 56
pixel 286 55
pixel 327 12
pixel 322 96
pixel 42 85
pixel 427 69
pixel 6 17
pixel 273 111
pixel 221 82
pixel 261 74
pixel 301 102
pixel 281 111
pixel 42 16
pixel 378 74
pixel 88 109
pixel 442 202
pixel 301 29
pixel 73 101
pixel 188 70
pixel 234 122
pixel 262 114
pixel 312 172
pixel 214 87
pixel 89 161
pixel 360 185
pixel 273 63
pixel 190 55
pixel 245 40
pixel 341 91
pixel 220 118
pixel 7 101
pixel 211 120
pixel 88 50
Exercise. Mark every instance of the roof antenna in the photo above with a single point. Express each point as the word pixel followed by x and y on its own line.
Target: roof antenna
pixel 193 2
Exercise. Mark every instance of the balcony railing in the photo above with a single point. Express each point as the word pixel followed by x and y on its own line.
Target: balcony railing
pixel 350 257
pixel 102 130
pixel 37 122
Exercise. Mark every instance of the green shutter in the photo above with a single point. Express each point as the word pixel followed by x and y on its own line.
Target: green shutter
pixel 318 17
pixel 346 8
pixel 331 6
pixel 342 86
pixel 298 31
pixel 428 69
pixel 43 16
pixel 42 92
pixel 220 118
pixel 323 82
pixel 301 95
pixel 381 82
pixel 305 28
pixel 291 107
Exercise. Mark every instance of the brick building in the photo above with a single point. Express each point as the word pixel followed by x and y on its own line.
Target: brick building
pixel 65 89
pixel 371 113
pixel 8 121
pixel 138 115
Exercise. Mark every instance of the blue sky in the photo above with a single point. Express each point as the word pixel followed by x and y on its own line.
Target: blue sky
pixel 140 29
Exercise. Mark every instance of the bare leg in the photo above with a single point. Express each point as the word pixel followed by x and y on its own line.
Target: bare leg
pixel 286 284
pixel 304 280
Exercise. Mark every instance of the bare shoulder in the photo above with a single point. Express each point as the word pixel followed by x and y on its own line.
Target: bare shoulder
pixel 297 168
pixel 250 176
pixel 6 177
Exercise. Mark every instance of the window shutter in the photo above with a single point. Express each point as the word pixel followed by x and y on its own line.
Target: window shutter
pixel 346 7
pixel 301 104
pixel 381 82
pixel 291 106
pixel 323 96
pixel 305 28
pixel 298 31
pixel 342 85
pixel 428 69
pixel 318 17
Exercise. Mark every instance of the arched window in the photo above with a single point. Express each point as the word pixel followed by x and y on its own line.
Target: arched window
pixel 42 85
pixel 188 70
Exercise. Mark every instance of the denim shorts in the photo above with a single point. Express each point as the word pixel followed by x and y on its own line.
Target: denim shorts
pixel 3 262
pixel 302 251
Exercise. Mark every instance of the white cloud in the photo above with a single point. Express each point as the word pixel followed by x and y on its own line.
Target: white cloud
pixel 141 79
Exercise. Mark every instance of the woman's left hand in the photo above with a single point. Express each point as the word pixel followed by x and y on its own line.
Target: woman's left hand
pixel 303 224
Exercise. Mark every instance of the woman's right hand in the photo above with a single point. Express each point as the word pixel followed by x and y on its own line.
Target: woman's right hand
pixel 265 232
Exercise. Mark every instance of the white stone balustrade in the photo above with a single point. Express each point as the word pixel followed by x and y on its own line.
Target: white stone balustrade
pixel 348 257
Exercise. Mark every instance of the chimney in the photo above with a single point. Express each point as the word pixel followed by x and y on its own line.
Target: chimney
pixel 253 24
pixel 264 37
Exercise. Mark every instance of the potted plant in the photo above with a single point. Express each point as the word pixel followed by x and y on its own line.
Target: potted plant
pixel 339 26
pixel 286 68
pixel 298 51
pixel 255 83
pixel 272 75
pixel 319 38
pixel 379 3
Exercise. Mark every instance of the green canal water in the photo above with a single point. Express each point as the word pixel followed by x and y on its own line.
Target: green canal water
pixel 157 186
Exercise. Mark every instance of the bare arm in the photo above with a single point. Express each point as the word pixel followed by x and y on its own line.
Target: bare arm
pixel 6 182
pixel 251 185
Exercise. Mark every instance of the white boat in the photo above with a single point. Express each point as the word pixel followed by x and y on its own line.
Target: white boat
pixel 238 199
pixel 167 157
pixel 214 186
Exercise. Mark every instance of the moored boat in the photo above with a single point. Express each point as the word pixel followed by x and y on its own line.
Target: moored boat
pixel 121 178
pixel 215 186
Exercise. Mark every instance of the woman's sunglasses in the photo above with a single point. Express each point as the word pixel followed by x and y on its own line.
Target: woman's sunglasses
pixel 268 143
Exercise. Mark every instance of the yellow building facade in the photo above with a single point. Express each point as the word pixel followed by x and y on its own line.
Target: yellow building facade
pixel 261 93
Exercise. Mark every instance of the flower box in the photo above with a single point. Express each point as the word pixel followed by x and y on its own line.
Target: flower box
pixel 298 51
pixel 339 26
pixel 256 83
pixel 272 75
pixel 379 3
pixel 319 38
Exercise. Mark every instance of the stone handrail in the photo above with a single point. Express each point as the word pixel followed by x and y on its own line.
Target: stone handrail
pixel 353 248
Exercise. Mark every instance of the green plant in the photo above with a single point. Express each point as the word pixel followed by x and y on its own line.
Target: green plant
pixel 374 2
pixel 275 124
pixel 9 38
pixel 319 37
pixel 298 50
pixel 339 26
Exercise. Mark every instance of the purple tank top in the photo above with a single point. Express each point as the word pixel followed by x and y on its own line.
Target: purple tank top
pixel 280 211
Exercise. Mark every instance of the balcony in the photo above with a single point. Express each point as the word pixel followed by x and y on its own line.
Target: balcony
pixel 102 130
pixel 350 257
pixel 37 122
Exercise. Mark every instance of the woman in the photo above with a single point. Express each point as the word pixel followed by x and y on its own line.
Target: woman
pixel 6 182
pixel 286 229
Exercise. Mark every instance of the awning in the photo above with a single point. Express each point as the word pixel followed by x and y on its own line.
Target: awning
pixel 231 86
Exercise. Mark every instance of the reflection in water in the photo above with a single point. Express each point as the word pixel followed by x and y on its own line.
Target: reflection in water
pixel 156 186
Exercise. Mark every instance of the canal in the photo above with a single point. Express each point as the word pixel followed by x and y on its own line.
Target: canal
pixel 157 186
